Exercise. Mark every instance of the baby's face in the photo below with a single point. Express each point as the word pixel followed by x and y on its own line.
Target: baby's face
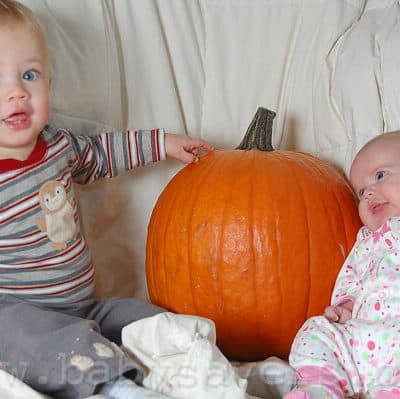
pixel 24 89
pixel 375 176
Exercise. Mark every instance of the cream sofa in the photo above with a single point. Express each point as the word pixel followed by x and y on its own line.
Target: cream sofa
pixel 329 68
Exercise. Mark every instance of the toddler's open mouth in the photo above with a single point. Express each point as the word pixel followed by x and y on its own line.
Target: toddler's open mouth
pixel 18 120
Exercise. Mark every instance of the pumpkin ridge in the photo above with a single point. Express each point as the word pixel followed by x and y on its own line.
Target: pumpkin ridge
pixel 248 269
pixel 201 176
pixel 159 213
pixel 164 268
pixel 231 163
pixel 328 219
pixel 293 165
pixel 200 185
pixel 253 259
pixel 149 258
pixel 339 197
pixel 276 239
pixel 310 243
pixel 259 267
pixel 338 202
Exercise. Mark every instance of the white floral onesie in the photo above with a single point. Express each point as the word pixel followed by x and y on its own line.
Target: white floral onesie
pixel 363 353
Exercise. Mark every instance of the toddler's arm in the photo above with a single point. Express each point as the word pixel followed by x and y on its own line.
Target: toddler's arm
pixel 339 313
pixel 184 148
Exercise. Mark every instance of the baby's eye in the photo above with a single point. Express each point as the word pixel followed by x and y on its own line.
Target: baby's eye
pixel 380 175
pixel 30 75
pixel 360 193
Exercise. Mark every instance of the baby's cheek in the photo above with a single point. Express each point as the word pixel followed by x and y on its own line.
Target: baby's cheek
pixel 363 212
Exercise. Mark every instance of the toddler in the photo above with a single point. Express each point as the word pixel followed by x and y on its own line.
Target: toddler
pixel 53 334
pixel 354 349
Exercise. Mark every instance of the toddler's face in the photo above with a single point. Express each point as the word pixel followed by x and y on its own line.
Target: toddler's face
pixel 24 89
pixel 375 176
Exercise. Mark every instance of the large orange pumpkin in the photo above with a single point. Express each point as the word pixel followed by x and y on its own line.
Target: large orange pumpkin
pixel 251 239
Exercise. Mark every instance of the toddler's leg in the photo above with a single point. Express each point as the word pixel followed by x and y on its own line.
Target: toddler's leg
pixel 58 354
pixel 115 313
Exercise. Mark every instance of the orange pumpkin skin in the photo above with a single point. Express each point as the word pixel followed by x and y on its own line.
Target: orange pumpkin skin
pixel 252 240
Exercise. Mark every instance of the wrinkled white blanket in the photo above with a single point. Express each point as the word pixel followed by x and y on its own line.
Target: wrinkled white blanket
pixel 183 362
pixel 181 357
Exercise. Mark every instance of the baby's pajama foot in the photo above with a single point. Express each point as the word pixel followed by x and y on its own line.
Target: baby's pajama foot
pixel 311 392
pixel 297 394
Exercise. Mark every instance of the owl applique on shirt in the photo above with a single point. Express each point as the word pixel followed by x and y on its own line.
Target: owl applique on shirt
pixel 59 214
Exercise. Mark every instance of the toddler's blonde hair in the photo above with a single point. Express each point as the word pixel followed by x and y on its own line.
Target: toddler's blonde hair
pixel 14 12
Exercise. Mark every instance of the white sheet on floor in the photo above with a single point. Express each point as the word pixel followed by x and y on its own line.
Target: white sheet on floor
pixel 182 359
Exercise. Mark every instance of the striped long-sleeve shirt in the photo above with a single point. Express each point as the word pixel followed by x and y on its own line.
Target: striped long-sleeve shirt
pixel 43 255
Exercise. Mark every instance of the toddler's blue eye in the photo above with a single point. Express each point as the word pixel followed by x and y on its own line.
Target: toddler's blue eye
pixel 30 75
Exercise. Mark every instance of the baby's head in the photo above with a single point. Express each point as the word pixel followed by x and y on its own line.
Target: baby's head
pixel 375 177
pixel 24 80
pixel 15 13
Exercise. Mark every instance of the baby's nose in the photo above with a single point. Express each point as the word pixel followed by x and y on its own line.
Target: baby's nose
pixel 15 91
pixel 368 193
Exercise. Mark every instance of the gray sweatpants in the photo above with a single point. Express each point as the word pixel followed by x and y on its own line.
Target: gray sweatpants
pixel 68 352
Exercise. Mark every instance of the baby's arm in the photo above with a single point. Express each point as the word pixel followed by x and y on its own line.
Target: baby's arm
pixel 340 313
pixel 184 148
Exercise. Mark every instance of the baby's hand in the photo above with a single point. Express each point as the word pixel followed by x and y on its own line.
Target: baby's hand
pixel 339 314
pixel 185 148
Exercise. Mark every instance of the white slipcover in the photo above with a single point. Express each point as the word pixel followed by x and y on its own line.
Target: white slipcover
pixel 329 68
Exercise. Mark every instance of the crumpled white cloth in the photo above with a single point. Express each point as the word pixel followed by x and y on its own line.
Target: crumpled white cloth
pixel 182 359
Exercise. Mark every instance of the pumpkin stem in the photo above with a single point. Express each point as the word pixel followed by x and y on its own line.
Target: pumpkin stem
pixel 259 132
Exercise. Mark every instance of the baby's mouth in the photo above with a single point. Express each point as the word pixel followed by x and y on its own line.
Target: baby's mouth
pixel 376 208
pixel 17 120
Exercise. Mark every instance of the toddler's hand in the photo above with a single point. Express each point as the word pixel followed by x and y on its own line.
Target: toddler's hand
pixel 185 148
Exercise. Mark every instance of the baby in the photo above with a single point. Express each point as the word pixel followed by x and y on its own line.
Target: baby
pixel 53 334
pixel 354 349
